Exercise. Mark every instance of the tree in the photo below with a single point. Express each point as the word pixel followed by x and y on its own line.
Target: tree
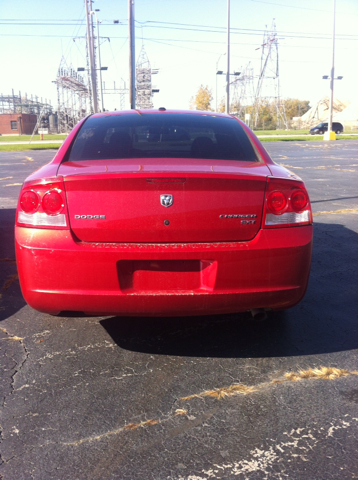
pixel 264 114
pixel 202 99
pixel 221 106
pixel 295 107
pixel 234 106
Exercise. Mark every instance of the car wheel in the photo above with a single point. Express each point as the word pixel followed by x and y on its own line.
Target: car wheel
pixel 338 131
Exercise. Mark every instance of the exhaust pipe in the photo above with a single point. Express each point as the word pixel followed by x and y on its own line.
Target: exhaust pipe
pixel 258 314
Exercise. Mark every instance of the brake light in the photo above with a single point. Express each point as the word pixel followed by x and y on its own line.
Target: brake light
pixel 43 205
pixel 52 202
pixel 286 204
pixel 299 200
pixel 29 201
pixel 276 202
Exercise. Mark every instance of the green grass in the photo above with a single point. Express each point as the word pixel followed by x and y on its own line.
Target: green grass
pixel 283 138
pixel 310 138
pixel 281 132
pixel 26 138
pixel 294 132
pixel 26 146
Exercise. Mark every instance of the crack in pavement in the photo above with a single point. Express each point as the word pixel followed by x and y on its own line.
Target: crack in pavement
pixel 18 368
pixel 129 427
pixel 321 167
pixel 333 212
pixel 10 281
pixel 322 373
pixel 19 365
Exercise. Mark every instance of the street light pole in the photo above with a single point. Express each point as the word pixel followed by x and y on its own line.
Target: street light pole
pixel 329 132
pixel 216 84
pixel 91 60
pixel 90 41
pixel 329 135
pixel 228 60
pixel 131 55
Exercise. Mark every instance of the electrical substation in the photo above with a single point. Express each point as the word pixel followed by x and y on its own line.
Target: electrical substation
pixel 81 91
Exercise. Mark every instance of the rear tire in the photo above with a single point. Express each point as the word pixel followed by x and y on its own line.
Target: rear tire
pixel 338 132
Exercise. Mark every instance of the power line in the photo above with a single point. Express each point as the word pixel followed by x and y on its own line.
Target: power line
pixel 184 27
pixel 162 40
pixel 40 36
pixel 232 29
pixel 20 21
pixel 301 8
pixel 78 26
pixel 259 33
pixel 215 53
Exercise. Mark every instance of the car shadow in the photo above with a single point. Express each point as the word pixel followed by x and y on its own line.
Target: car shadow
pixel 324 322
pixel 11 299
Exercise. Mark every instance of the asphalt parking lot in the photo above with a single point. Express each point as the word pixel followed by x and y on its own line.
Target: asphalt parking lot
pixel 215 397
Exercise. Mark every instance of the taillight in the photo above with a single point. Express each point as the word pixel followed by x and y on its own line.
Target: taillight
pixel 52 202
pixel 276 202
pixel 286 204
pixel 43 205
pixel 29 201
pixel 299 200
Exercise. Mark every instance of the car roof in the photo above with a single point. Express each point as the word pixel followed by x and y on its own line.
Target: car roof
pixel 162 112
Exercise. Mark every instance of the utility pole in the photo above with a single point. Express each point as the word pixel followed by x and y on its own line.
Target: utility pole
pixel 99 58
pixel 329 135
pixel 216 81
pixel 228 60
pixel 131 55
pixel 90 46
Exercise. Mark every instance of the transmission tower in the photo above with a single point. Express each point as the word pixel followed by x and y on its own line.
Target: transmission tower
pixel 72 96
pixel 243 91
pixel 268 85
pixel 122 91
pixel 144 90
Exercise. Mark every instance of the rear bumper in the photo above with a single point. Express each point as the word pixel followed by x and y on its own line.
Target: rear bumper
pixel 59 274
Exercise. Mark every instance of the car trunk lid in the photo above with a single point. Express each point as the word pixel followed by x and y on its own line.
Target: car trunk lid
pixel 144 204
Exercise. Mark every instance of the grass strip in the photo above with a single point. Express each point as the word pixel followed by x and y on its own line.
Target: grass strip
pixel 281 132
pixel 26 138
pixel 294 132
pixel 56 146
pixel 25 147
pixel 313 138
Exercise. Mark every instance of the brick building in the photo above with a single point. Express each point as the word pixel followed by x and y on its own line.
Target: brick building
pixel 17 123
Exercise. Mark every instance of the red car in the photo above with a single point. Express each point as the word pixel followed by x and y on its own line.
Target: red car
pixel 191 218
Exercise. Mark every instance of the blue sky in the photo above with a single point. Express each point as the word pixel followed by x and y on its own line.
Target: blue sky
pixel 184 39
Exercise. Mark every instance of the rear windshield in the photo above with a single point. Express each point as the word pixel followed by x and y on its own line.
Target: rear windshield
pixel 167 135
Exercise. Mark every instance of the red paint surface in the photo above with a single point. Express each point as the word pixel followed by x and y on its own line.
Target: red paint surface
pixel 57 273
